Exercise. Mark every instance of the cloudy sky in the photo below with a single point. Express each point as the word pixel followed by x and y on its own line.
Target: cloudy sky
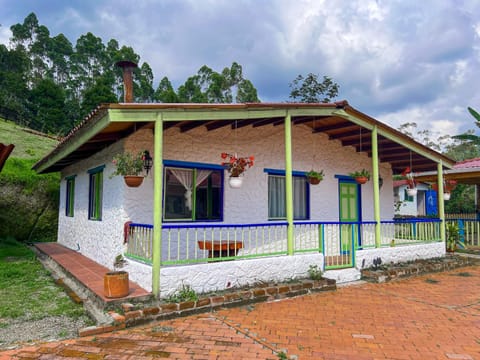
pixel 396 60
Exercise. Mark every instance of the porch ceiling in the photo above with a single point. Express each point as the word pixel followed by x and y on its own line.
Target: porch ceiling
pixel 338 121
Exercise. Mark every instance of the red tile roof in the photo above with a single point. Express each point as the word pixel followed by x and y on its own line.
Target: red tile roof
pixel 466 164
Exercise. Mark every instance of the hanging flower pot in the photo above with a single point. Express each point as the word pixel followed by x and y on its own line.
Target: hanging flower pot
pixel 361 177
pixel 133 180
pixel 235 182
pixel 412 191
pixel 236 166
pixel 446 196
pixel 314 177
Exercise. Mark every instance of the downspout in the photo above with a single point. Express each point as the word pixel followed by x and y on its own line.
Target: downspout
pixel 157 204
pixel 441 203
pixel 376 187
pixel 289 182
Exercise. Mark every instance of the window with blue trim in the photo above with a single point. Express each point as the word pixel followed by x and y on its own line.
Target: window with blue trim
pixel 193 193
pixel 277 208
pixel 95 193
pixel 70 196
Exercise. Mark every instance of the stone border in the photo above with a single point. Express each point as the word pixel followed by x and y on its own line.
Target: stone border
pixel 131 315
pixel 391 272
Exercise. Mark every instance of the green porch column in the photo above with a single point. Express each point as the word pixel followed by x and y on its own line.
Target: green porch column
pixel 441 204
pixel 376 187
pixel 289 182
pixel 157 203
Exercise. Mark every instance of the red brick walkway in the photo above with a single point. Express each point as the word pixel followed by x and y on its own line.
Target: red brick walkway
pixel 435 316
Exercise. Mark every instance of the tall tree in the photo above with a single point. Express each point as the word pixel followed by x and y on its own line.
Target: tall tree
pixel 309 89
pixel 165 92
pixel 47 101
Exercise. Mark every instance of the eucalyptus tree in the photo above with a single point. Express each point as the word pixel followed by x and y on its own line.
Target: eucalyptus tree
pixel 309 89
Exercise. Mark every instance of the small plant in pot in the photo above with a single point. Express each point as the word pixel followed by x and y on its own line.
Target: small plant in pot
pixel 116 283
pixel 314 177
pixel 453 237
pixel 360 177
pixel 130 166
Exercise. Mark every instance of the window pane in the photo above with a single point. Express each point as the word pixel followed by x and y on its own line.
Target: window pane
pixel 70 196
pixel 95 196
pixel 178 195
pixel 276 198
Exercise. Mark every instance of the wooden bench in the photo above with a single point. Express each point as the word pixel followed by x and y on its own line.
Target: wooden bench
pixel 219 248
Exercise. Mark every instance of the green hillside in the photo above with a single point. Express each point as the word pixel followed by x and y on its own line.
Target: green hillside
pixel 28 143
pixel 28 201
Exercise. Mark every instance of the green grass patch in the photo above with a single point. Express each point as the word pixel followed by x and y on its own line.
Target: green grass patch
pixel 28 145
pixel 431 281
pixel 27 290
pixel 464 274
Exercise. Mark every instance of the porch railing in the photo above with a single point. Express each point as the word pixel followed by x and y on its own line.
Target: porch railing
pixel 194 243
pixel 200 243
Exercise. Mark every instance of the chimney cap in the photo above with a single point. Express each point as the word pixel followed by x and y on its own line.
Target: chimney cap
pixel 125 64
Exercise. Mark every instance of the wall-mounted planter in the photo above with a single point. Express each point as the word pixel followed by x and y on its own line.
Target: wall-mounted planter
pixel 115 284
pixel 133 181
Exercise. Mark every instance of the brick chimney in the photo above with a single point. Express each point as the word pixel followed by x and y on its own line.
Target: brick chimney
pixel 127 67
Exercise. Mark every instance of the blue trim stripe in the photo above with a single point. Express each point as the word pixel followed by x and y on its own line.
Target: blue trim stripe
pixel 96 169
pixel 189 164
pixel 282 172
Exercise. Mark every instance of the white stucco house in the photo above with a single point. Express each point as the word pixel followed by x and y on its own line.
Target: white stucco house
pixel 186 224
pixel 423 203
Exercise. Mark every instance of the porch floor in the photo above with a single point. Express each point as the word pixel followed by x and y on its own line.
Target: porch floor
pixel 86 271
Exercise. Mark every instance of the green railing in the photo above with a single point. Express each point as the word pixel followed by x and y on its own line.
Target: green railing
pixel 183 244
pixel 195 243
pixel 469 231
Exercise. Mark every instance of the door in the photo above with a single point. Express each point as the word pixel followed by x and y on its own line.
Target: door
pixel 339 253
pixel 348 213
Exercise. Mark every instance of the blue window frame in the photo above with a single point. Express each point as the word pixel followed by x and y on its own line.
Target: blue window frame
pixel 192 191
pixel 70 196
pixel 277 209
pixel 95 193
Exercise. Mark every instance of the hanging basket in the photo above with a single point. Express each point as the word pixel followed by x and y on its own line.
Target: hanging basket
pixel 235 182
pixel 412 191
pixel 446 196
pixel 115 284
pixel 361 179
pixel 314 180
pixel 133 180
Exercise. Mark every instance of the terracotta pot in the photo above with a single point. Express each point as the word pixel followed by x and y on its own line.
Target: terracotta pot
pixel 235 182
pixel 361 179
pixel 133 180
pixel 115 284
pixel 314 181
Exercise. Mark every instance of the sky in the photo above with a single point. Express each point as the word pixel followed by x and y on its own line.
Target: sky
pixel 398 61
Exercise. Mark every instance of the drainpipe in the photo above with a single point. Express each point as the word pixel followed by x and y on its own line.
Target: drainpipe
pixel 289 182
pixel 441 203
pixel 127 67
pixel 157 204
pixel 376 187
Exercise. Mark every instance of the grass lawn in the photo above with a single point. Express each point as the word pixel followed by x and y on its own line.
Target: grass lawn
pixel 27 290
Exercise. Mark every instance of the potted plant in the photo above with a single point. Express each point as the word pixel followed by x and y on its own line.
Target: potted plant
pixel 453 237
pixel 314 177
pixel 129 166
pixel 116 283
pixel 236 166
pixel 361 177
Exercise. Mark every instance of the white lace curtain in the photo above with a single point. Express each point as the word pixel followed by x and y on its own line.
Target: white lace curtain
pixel 185 177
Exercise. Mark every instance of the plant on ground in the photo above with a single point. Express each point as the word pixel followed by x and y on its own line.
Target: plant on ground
pixel 314 272
pixel 464 274
pixel 282 356
pixel 185 293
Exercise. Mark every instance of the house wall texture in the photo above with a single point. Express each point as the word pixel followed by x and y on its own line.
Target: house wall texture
pixel 103 240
